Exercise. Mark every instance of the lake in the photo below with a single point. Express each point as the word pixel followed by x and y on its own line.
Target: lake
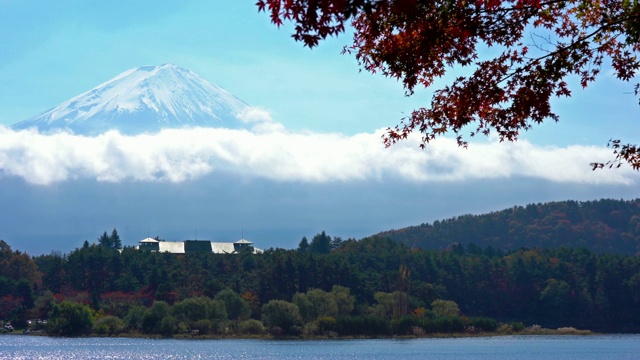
pixel 619 347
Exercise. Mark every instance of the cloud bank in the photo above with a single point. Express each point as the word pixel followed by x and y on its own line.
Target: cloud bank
pixel 269 151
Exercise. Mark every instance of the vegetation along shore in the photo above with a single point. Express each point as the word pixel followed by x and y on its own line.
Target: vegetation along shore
pixel 326 288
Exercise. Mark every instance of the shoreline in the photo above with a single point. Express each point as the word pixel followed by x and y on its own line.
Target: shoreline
pixel 567 331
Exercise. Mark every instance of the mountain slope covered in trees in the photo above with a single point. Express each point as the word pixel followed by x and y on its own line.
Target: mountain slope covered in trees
pixel 602 226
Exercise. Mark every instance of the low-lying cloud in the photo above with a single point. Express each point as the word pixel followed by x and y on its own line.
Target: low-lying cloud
pixel 271 152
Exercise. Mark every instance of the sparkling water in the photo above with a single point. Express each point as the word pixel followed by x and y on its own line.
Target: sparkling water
pixel 620 347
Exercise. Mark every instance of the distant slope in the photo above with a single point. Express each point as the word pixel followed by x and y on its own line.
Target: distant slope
pixel 603 226
pixel 144 99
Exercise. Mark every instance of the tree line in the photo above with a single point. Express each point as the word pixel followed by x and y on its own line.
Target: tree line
pixel 602 226
pixel 328 285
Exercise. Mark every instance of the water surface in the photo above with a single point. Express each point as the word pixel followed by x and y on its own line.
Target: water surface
pixel 620 347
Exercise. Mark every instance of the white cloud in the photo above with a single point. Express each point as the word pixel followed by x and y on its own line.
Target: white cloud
pixel 274 153
pixel 254 115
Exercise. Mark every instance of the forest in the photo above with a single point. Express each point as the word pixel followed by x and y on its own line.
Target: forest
pixel 602 226
pixel 326 287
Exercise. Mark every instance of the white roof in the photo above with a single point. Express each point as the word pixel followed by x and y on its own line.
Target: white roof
pixel 173 247
pixel 177 247
pixel 222 248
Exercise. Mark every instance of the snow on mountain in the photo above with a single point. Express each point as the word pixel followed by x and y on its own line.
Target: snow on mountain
pixel 145 99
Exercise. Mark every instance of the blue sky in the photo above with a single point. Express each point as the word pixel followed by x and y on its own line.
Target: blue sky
pixel 52 51
pixel 72 47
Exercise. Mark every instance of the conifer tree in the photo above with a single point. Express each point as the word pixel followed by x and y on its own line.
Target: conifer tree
pixel 303 247
pixel 105 240
pixel 320 244
pixel 116 243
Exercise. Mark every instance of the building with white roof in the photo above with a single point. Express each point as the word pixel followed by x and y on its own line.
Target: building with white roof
pixel 195 246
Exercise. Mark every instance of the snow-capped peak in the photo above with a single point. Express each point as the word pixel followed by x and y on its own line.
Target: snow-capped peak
pixel 144 99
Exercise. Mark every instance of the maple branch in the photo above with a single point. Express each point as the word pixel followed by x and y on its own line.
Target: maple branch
pixel 518 8
pixel 418 41
pixel 570 46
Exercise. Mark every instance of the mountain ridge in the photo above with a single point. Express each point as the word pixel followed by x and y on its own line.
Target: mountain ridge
pixel 602 226
pixel 144 99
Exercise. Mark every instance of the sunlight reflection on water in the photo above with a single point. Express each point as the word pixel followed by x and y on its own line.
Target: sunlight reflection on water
pixel 620 347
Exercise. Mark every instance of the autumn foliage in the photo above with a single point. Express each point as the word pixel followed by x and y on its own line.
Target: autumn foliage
pixel 514 56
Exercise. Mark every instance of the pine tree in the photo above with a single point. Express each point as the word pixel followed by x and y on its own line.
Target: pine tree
pixel 104 240
pixel 115 240
pixel 303 247
pixel 320 244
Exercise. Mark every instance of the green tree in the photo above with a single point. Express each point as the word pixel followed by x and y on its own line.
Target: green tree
pixel 336 242
pixel 52 269
pixel 320 244
pixel 445 308
pixel 192 309
pixel 153 317
pixel 391 305
pixel 344 300
pixel 303 247
pixel 135 317
pixel 17 265
pixel 216 311
pixel 282 314
pixel 316 303
pixel 199 313
pixel 167 326
pixel 109 325
pixel 69 319
pixel 105 240
pixel 116 243
pixel 555 299
pixel 25 291
pixel 43 305
pixel 251 327
pixel 234 305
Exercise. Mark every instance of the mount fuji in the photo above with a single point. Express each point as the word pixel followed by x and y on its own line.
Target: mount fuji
pixel 144 99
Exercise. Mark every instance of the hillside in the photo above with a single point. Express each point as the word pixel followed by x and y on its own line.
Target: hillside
pixel 603 226
pixel 370 287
